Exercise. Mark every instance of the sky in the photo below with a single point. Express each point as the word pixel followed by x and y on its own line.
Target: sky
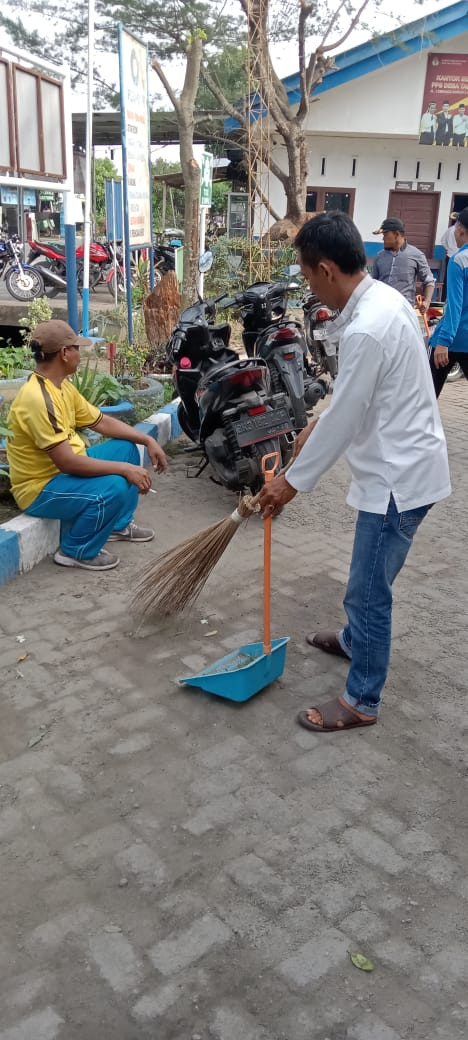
pixel 284 55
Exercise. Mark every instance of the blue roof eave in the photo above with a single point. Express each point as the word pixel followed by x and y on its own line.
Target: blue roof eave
pixel 382 51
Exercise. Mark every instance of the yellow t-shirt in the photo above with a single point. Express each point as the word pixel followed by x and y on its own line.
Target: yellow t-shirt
pixel 41 416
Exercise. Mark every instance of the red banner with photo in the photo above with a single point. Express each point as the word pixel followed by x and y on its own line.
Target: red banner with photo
pixel 444 116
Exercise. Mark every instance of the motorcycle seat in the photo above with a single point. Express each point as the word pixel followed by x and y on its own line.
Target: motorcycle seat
pixel 57 247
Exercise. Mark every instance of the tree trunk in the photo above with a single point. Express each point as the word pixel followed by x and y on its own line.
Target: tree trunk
pixel 184 107
pixel 191 175
pixel 190 169
pixel 296 184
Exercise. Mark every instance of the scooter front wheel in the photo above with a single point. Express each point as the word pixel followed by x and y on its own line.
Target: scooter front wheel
pixel 27 284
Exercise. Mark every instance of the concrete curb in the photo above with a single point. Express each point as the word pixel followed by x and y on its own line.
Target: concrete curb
pixel 26 540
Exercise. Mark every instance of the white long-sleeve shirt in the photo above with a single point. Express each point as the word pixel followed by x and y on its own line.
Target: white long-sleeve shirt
pixel 449 241
pixel 383 415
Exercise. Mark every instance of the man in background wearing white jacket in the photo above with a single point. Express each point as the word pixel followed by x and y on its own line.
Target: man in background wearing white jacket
pixel 384 419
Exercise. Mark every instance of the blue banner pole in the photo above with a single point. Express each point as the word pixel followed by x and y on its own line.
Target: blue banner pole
pixel 70 259
pixel 123 133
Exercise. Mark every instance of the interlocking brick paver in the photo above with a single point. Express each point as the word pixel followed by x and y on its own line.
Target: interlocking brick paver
pixel 174 865
pixel 172 954
pixel 42 1025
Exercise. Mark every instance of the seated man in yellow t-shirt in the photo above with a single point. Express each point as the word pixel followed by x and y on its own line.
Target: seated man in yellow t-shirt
pixel 94 491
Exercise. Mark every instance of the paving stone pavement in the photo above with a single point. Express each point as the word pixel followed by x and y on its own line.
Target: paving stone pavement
pixel 174 866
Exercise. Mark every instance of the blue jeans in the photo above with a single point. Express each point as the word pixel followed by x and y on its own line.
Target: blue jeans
pixel 90 508
pixel 381 545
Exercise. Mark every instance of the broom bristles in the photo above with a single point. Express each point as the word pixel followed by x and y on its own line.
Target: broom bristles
pixel 177 577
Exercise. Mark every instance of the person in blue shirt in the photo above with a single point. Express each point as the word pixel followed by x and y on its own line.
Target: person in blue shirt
pixel 449 341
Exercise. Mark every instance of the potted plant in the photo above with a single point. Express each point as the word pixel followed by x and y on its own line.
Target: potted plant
pixel 104 391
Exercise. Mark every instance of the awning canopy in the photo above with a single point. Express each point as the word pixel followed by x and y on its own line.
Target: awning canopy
pixel 164 129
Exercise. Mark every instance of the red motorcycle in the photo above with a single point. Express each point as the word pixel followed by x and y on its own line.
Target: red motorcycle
pixel 53 267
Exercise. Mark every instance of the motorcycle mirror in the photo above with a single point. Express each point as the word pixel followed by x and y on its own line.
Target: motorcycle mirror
pixel 294 270
pixel 205 262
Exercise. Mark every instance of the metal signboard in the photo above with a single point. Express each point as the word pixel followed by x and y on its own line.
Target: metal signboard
pixel 206 180
pixel 133 57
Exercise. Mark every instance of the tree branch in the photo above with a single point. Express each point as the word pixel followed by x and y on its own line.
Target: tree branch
pixel 155 64
pixel 352 25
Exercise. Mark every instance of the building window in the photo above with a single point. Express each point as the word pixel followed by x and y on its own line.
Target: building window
pixel 326 199
pixel 353 168
pixel 395 168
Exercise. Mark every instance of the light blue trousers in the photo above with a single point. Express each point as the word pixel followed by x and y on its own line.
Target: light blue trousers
pixel 90 508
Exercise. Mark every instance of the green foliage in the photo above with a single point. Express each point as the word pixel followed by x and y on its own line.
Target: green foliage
pixel 13 361
pixel 130 361
pixel 97 387
pixel 230 270
pixel 229 71
pixel 174 198
pixel 104 169
pixel 141 285
pixel 38 310
pixel 5 432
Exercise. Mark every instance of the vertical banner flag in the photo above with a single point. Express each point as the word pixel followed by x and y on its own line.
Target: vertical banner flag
pixel 135 137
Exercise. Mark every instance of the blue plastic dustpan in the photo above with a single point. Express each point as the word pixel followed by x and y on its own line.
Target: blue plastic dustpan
pixel 241 674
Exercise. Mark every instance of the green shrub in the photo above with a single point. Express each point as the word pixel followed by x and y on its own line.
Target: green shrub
pixel 231 262
pixel 13 360
pixel 38 310
pixel 98 388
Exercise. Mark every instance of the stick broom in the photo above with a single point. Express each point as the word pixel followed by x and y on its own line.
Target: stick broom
pixel 177 577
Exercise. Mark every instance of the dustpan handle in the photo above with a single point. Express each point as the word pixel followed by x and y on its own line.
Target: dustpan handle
pixel 419 302
pixel 268 473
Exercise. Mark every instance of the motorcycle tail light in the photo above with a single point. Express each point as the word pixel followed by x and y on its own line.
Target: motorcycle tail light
pixel 283 334
pixel 289 356
pixel 248 378
pixel 185 363
pixel 322 315
pixel 257 411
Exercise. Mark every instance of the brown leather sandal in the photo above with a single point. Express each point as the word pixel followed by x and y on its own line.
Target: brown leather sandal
pixel 336 716
pixel 328 642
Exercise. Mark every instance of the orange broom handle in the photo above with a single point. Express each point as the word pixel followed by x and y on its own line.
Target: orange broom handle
pixel 419 302
pixel 268 473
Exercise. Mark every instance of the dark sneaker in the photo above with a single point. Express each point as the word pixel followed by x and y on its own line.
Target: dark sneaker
pixel 132 533
pixel 103 562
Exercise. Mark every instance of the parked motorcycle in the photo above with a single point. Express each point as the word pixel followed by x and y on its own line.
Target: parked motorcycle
pixel 228 407
pixel 164 258
pixel 321 346
pixel 53 266
pixel 270 333
pixel 22 281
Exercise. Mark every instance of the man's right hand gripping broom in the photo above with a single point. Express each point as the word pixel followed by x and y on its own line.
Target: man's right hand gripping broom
pixel 276 494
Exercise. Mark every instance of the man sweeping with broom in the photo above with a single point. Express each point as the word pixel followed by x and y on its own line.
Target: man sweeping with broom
pixel 384 419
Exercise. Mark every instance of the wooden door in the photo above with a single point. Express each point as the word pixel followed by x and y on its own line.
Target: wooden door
pixel 419 212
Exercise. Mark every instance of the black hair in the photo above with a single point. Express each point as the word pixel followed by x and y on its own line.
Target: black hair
pixel 462 218
pixel 332 236
pixel 38 354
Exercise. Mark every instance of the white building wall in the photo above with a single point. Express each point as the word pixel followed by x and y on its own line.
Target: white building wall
pixel 375 119
pixel 388 101
pixel 374 174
